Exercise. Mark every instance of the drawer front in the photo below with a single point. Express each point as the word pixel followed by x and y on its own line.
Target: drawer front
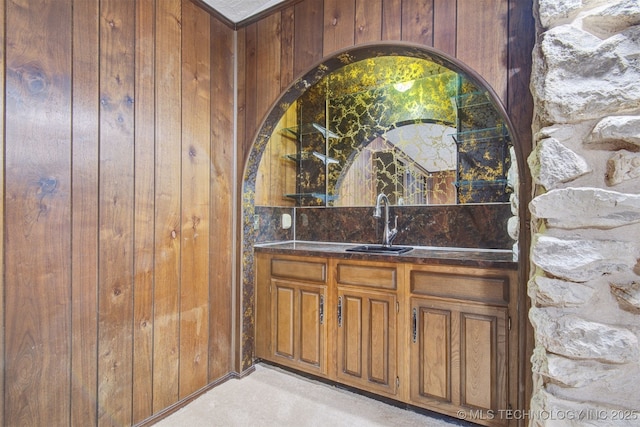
pixel 493 290
pixel 297 269
pixel 367 275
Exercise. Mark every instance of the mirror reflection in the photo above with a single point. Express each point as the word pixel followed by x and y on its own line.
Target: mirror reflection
pixel 407 127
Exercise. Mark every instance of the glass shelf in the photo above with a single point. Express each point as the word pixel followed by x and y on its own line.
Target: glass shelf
pixel 487 135
pixel 308 129
pixel 324 197
pixel 305 155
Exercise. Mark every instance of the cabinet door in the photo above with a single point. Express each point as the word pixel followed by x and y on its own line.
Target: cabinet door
pixel 458 356
pixel 298 329
pixel 367 340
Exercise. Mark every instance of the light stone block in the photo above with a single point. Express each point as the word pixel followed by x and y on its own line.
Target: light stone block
pixel 581 260
pixel 628 295
pixel 549 292
pixel 576 76
pixel 571 336
pixel 622 166
pixel 551 164
pixel 572 208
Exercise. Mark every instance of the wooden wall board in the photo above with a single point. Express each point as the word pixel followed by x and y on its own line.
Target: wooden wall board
pixel 195 204
pixel 168 235
pixel 144 212
pixel 84 202
pixel 339 25
pixel 309 22
pixel 116 200
pixel 37 239
pixel 368 21
pixel 222 177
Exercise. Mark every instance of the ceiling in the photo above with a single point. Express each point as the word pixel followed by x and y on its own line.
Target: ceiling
pixel 239 10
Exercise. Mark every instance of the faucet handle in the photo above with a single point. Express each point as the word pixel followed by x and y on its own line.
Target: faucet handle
pixel 394 231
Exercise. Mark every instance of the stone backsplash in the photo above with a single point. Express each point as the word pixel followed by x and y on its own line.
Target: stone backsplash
pixel 465 226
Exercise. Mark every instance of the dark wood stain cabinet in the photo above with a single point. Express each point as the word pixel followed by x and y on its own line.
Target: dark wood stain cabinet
pixel 118 176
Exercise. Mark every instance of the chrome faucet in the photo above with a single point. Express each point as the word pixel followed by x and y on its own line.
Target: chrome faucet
pixel 388 235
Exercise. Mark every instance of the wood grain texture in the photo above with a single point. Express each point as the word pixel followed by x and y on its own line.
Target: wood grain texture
pixel 168 233
pixel 392 20
pixel 250 92
pixel 144 212
pixel 445 26
pixel 309 22
pixel 268 50
pixel 196 154
pixel 37 240
pixel 482 40
pixel 287 56
pixel 339 25
pixel 115 293
pixel 222 177
pixel 2 210
pixel 417 21
pixel 84 255
pixel 368 21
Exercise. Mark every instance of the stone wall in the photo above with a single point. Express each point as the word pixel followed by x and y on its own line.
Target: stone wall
pixel 585 284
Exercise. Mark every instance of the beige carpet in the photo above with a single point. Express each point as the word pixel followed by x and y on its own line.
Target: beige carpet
pixel 274 397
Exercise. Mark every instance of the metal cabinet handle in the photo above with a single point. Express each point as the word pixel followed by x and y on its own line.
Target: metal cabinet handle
pixel 415 325
pixel 340 312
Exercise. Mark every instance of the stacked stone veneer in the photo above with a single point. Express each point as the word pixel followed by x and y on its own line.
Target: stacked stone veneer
pixel 585 284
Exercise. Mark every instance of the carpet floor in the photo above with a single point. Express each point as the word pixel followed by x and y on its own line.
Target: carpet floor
pixel 272 397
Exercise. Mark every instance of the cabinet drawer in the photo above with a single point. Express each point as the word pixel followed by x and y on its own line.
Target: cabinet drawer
pixel 367 275
pixel 494 290
pixel 297 269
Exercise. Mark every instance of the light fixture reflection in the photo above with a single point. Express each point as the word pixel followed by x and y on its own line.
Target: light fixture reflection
pixel 403 86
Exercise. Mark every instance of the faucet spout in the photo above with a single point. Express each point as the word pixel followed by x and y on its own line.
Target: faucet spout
pixel 388 234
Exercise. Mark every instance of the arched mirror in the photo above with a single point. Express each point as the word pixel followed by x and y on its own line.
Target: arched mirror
pixel 414 127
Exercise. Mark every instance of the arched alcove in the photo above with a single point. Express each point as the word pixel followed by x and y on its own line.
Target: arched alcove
pixel 251 233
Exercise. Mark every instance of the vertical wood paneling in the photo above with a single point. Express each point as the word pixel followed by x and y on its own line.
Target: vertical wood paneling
pixel 444 26
pixel 339 25
pixel 251 85
pixel 196 152
pixel 243 148
pixel 168 235
pixel 391 19
pixel 37 216
pixel 309 22
pixel 287 57
pixel 483 38
pixel 84 256
pixel 268 56
pixel 2 211
pixel 417 21
pixel 112 161
pixel 115 293
pixel 144 212
pixel 221 260
pixel 368 21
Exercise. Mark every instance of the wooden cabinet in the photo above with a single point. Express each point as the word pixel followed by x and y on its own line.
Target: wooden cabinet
pixel 291 313
pixel 367 323
pixel 458 356
pixel 459 351
pixel 437 337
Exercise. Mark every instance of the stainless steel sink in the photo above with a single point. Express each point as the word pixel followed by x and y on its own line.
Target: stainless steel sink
pixel 380 249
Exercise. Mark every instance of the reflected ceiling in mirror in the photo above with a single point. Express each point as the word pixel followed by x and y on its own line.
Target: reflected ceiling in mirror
pixel 409 127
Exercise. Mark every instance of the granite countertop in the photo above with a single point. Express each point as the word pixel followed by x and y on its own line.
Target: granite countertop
pixel 487 258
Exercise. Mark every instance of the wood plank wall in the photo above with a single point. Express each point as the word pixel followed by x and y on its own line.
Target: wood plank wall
pixel 493 37
pixel 117 208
